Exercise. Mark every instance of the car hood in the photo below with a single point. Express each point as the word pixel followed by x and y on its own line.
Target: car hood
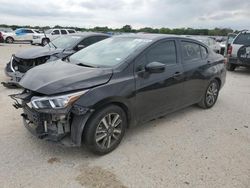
pixel 58 77
pixel 33 53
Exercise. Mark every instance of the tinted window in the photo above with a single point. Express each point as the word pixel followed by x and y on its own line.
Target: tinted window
pixel 63 32
pixel 28 31
pixel 56 32
pixel 243 39
pixel 92 40
pixel 164 52
pixel 204 52
pixel 190 52
pixel 71 31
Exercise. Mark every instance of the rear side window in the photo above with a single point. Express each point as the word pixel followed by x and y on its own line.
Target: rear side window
pixel 204 52
pixel 243 39
pixel 63 32
pixel 190 52
pixel 92 40
pixel 71 31
pixel 163 52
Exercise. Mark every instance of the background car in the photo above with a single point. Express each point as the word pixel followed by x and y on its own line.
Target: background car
pixel 22 34
pixel 210 42
pixel 51 34
pixel 59 48
pixel 115 84
pixel 242 40
pixel 1 37
pixel 229 40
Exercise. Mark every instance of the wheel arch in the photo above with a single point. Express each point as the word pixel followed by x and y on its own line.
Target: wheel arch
pixel 218 80
pixel 79 123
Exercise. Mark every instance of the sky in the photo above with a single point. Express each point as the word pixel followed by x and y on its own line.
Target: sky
pixel 209 14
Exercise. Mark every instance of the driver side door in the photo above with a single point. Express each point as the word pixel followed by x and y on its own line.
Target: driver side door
pixel 158 93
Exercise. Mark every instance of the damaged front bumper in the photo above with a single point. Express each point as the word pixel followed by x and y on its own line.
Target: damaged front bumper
pixel 15 76
pixel 64 126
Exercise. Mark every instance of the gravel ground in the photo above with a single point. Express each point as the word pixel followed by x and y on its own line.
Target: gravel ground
pixel 189 148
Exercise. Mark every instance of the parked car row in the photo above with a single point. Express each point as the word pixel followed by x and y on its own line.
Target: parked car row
pixel 60 48
pixel 33 36
pixel 51 34
pixel 89 88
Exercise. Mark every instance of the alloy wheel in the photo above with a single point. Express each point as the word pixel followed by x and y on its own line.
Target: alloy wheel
pixel 212 94
pixel 108 131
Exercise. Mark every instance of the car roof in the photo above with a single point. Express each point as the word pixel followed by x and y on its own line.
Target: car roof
pixel 154 37
pixel 88 34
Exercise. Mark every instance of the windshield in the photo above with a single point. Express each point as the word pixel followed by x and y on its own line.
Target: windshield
pixel 108 52
pixel 64 42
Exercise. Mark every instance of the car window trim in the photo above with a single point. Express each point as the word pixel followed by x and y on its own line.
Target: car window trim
pixel 196 60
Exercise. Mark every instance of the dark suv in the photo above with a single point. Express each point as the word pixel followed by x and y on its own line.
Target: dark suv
pixel 238 52
pixel 115 84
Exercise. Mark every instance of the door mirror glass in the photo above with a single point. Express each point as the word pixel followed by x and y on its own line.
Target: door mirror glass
pixel 155 67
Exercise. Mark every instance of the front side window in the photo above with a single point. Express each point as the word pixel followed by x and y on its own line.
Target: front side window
pixel 190 52
pixel 109 52
pixel 163 52
pixel 28 31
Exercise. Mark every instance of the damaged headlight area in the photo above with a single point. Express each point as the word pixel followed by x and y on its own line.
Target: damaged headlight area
pixel 50 117
pixel 56 102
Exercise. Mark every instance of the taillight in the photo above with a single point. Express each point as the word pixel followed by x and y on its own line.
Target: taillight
pixel 229 50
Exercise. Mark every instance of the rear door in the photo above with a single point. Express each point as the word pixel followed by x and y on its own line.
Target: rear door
pixel 158 93
pixel 195 60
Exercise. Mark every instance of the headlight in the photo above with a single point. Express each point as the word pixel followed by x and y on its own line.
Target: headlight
pixel 55 102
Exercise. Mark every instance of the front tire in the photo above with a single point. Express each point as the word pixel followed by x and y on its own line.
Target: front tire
pixel 211 95
pixel 230 67
pixel 105 130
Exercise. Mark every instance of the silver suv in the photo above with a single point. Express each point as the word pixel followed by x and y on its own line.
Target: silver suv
pixel 238 53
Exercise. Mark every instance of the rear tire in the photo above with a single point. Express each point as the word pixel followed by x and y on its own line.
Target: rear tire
pixel 230 67
pixel 9 40
pixel 45 41
pixel 211 95
pixel 105 130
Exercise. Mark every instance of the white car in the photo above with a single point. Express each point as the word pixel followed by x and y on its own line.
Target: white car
pixel 22 34
pixel 49 35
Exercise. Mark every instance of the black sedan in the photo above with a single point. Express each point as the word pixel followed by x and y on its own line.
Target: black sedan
pixel 115 84
pixel 60 48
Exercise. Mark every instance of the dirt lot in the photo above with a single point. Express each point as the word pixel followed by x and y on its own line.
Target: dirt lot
pixel 189 148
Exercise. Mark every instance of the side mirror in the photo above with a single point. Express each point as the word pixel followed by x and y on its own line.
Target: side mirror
pixel 80 46
pixel 155 67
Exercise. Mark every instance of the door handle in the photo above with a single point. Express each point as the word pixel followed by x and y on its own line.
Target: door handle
pixel 177 74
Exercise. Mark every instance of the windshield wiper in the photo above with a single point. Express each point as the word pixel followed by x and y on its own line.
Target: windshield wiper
pixel 86 65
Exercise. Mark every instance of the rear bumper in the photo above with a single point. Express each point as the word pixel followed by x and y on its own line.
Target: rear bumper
pixel 236 61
